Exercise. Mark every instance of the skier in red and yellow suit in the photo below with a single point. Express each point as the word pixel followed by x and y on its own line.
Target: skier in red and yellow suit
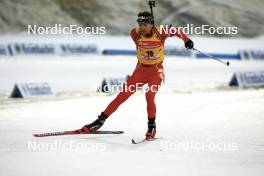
pixel 149 70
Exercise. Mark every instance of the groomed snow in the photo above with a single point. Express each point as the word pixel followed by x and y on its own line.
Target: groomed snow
pixel 205 130
pixel 84 73
pixel 229 122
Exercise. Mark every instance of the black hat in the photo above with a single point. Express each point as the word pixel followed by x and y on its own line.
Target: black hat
pixel 145 17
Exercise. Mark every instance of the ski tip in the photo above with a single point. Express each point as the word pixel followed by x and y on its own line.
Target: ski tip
pixel 144 140
pixel 137 142
pixel 119 132
pixel 133 141
pixel 37 135
pixel 116 132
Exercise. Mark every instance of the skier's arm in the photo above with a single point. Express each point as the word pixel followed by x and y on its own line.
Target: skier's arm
pixel 133 34
pixel 178 33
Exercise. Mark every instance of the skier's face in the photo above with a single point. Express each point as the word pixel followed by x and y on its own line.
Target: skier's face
pixel 145 28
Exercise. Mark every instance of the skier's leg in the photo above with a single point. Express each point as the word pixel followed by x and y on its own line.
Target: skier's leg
pixel 153 86
pixel 128 89
pixel 120 98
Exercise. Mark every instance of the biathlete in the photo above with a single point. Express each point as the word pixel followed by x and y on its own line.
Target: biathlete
pixel 149 42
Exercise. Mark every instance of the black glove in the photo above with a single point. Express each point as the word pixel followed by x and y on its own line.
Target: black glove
pixel 189 44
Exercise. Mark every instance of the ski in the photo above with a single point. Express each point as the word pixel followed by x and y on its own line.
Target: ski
pixel 144 140
pixel 75 132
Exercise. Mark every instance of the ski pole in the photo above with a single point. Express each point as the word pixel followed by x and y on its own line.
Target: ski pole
pixel 212 57
pixel 151 5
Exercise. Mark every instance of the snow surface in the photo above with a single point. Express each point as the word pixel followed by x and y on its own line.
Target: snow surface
pixel 206 128
pixel 84 73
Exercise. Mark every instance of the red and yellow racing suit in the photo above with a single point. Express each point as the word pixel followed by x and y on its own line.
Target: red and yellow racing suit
pixel 149 69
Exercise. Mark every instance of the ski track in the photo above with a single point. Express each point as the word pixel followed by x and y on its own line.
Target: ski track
pixel 197 109
pixel 231 117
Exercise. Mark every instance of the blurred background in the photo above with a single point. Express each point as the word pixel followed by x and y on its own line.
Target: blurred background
pixel 117 18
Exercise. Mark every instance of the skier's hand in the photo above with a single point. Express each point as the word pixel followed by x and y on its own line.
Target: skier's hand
pixel 189 44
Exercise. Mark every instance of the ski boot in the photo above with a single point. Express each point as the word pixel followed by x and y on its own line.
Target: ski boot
pixel 150 135
pixel 94 126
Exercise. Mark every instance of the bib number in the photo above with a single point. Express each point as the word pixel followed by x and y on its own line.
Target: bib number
pixel 149 53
